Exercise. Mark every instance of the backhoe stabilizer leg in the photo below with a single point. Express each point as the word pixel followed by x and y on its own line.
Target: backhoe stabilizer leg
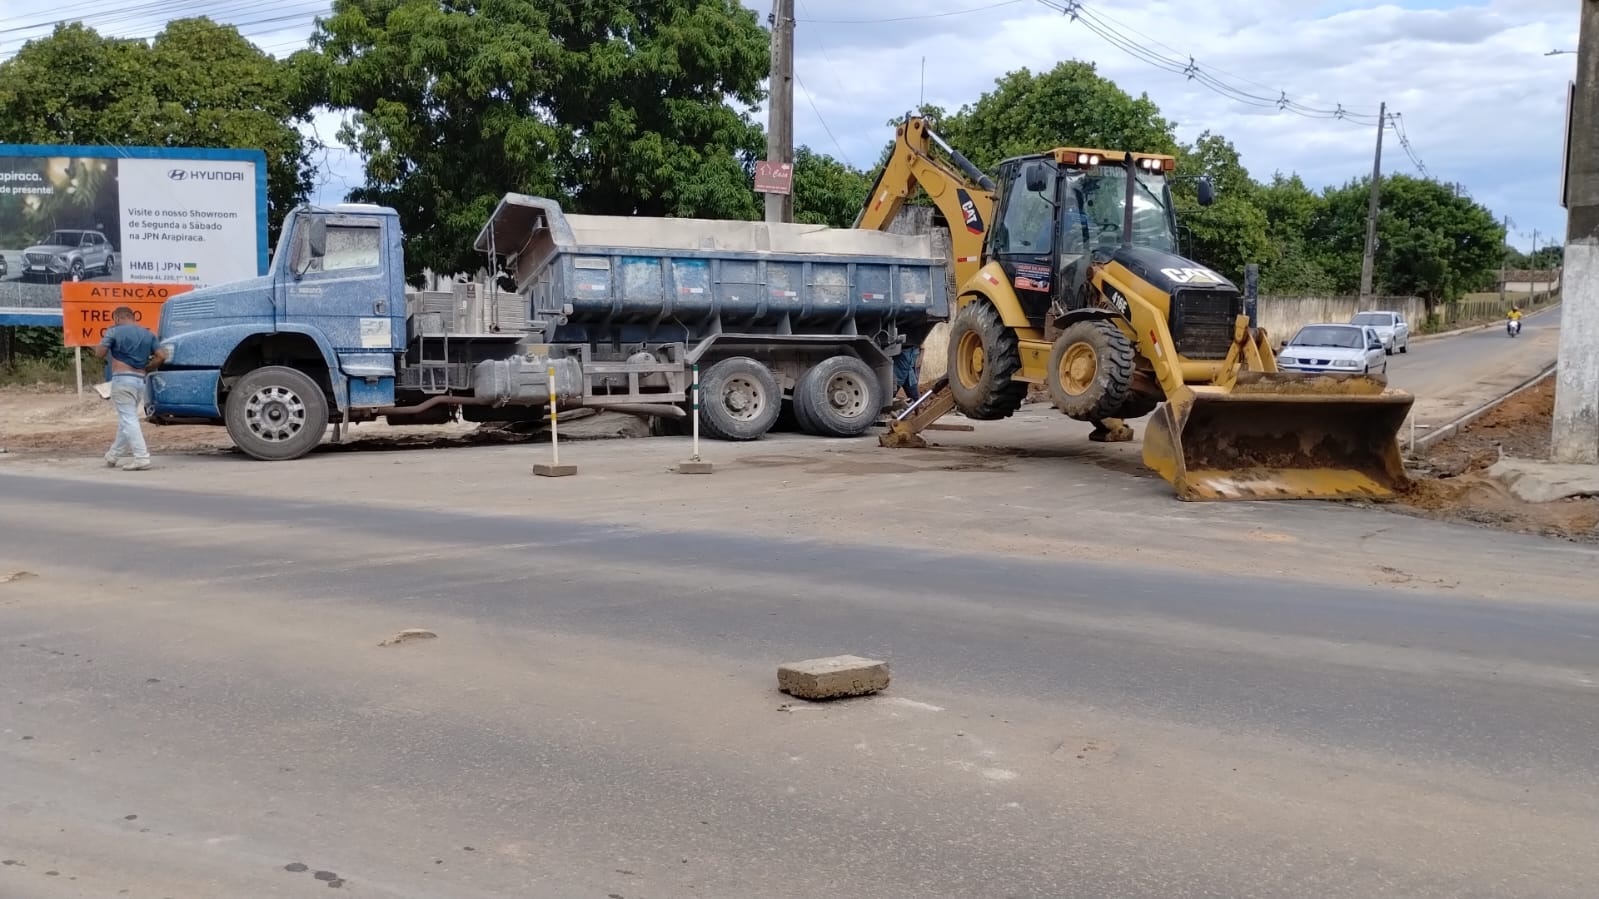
pixel 1111 430
pixel 905 431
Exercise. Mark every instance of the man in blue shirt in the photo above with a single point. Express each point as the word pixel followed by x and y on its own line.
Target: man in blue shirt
pixel 133 352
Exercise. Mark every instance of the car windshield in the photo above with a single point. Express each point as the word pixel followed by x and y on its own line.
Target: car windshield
pixel 1346 338
pixel 1375 319
pixel 65 238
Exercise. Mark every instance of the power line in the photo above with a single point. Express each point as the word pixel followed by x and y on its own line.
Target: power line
pixel 812 101
pixel 1243 91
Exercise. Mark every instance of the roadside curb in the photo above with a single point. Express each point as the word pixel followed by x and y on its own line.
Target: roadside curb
pixel 1423 338
pixel 1453 427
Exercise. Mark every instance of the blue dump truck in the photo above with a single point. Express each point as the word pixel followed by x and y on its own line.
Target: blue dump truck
pixel 620 309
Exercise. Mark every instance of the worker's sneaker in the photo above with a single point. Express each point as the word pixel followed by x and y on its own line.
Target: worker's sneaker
pixel 112 461
pixel 136 465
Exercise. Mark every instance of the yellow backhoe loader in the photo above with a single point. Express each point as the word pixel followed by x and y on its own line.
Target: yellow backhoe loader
pixel 1068 275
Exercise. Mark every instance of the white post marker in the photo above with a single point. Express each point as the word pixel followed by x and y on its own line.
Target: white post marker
pixel 77 366
pixel 695 465
pixel 555 469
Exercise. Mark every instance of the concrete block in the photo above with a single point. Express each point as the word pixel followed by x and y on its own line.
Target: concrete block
pixel 563 470
pixel 1534 481
pixel 694 466
pixel 832 677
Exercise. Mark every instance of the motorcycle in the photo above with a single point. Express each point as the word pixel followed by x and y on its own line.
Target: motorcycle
pixel 1513 327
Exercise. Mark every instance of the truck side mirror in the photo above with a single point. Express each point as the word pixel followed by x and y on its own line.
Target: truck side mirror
pixel 317 238
pixel 1037 178
pixel 1207 192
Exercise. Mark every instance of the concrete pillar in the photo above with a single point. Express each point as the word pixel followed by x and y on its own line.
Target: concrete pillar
pixel 1575 437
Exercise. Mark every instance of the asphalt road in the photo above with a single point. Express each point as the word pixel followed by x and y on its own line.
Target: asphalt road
pixel 195 705
pixel 1455 374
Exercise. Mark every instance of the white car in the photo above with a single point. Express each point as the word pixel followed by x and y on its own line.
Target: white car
pixel 1390 326
pixel 1346 349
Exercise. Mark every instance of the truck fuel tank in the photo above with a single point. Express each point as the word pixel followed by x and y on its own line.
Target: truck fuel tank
pixel 525 380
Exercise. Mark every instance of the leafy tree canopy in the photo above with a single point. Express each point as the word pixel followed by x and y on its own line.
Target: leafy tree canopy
pixel 197 84
pixel 610 106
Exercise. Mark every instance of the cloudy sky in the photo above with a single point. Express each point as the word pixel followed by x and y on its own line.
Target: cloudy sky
pixel 1481 103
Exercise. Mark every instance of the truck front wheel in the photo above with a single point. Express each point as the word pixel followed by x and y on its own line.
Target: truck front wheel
pixel 276 414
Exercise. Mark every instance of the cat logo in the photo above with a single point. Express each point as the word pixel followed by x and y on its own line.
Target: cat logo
pixel 1193 275
pixel 974 219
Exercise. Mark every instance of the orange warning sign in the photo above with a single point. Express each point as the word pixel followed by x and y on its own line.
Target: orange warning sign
pixel 86 307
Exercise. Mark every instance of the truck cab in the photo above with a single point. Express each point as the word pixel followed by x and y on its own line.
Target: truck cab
pixel 315 340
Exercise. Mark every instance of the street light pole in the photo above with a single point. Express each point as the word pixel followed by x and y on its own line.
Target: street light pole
pixel 1575 433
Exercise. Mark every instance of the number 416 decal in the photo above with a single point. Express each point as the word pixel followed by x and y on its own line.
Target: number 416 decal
pixel 1192 275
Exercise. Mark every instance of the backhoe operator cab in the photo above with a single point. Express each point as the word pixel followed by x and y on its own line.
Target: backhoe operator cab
pixel 1059 213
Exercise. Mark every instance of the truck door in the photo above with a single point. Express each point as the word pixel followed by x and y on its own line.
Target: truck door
pixel 343 292
pixel 1023 241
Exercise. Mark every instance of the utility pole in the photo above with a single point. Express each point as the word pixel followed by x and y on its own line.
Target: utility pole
pixel 1575 435
pixel 780 113
pixel 1504 254
pixel 1369 260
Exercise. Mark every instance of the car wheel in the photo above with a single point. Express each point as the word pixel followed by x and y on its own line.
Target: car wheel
pixel 110 263
pixel 77 270
pixel 1406 347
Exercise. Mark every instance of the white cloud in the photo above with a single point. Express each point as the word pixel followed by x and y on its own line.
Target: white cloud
pixel 1481 103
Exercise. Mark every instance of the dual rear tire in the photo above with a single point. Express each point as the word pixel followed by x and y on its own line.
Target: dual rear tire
pixel 740 399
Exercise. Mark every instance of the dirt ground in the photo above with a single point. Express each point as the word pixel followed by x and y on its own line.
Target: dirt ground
pixel 1456 486
pixel 1452 484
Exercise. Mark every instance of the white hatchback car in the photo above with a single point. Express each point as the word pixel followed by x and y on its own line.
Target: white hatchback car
pixel 1349 349
pixel 1390 326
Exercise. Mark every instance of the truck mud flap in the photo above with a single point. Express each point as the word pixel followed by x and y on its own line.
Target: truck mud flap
pixel 1282 436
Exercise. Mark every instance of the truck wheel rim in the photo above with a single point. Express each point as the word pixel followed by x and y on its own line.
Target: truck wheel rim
pixel 1079 366
pixel 743 398
pixel 846 394
pixel 969 358
pixel 275 414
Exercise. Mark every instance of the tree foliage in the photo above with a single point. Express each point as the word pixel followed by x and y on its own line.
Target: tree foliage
pixel 196 84
pixel 609 106
pixel 827 191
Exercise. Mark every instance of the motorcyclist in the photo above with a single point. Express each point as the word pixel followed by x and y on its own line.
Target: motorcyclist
pixel 1513 320
pixel 1514 314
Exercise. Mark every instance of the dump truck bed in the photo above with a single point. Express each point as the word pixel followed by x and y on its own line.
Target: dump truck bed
pixel 699 274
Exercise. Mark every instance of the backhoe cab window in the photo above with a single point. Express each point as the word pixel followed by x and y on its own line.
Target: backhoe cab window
pixel 1094 201
pixel 1028 228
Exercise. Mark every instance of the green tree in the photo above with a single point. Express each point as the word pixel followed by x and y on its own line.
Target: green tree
pixel 1431 242
pixel 1071 105
pixel 610 106
pixel 1231 233
pixel 826 191
pixel 197 84
pixel 1290 267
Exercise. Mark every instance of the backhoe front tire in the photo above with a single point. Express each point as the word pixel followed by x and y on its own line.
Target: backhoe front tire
pixel 1091 370
pixel 983 357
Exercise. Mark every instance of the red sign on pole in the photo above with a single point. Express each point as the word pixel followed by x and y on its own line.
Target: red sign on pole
pixel 774 177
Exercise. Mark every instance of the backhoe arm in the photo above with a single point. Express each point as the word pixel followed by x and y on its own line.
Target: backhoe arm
pixel 962 192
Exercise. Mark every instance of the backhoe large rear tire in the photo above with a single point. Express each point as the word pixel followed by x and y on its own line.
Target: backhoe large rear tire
pixel 983 356
pixel 1091 370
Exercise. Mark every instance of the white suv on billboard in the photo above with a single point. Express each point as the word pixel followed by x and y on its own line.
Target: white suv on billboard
pixel 69 254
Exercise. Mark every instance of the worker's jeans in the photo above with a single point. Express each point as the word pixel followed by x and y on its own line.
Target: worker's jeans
pixel 127 394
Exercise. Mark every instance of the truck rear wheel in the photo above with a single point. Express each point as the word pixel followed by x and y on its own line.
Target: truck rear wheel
pixel 277 413
pixel 983 356
pixel 1090 370
pixel 739 399
pixel 838 397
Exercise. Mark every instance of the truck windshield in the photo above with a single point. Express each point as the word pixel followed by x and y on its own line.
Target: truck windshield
pixel 1094 201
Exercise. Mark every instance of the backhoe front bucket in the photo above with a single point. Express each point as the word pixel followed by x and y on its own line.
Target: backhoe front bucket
pixel 1281 436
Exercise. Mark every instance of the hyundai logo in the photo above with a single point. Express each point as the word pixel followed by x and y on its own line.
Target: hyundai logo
pixel 203 175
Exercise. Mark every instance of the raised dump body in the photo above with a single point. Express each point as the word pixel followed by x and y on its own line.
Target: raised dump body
pixel 585 275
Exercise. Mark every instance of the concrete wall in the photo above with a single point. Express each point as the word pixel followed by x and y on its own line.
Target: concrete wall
pixel 1282 317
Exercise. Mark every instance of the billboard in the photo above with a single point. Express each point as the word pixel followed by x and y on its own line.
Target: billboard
pixel 125 215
